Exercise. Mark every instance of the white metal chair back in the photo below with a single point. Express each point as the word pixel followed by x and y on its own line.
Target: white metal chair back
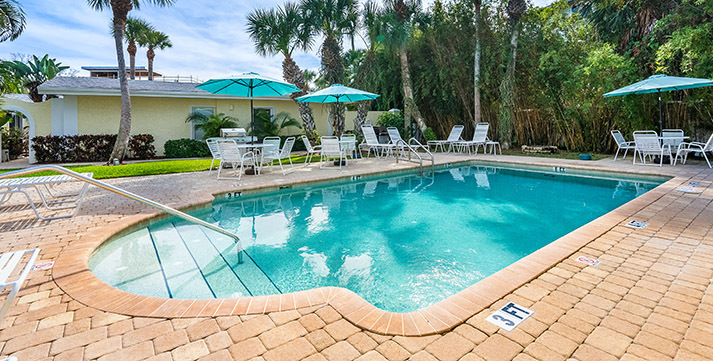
pixel 308 145
pixel 369 135
pixel 213 147
pixel 348 143
pixel 455 134
pixel 481 132
pixel 394 135
pixel 271 145
pixel 287 147
pixel 618 137
pixel 672 137
pixel 647 142
pixel 709 145
pixel 229 150
pixel 330 145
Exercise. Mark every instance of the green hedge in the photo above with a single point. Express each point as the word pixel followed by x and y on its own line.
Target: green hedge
pixel 185 148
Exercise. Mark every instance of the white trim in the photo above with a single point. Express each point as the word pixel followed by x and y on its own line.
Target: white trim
pixel 30 131
pixel 156 94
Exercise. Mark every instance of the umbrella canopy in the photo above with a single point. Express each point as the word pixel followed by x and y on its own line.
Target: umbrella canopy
pixel 337 93
pixel 249 85
pixel 660 83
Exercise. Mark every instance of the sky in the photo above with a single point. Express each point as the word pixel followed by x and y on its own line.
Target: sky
pixel 208 36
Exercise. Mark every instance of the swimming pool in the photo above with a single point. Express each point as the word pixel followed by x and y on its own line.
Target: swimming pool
pixel 402 242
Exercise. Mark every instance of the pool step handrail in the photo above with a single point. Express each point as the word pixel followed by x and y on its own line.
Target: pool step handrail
pixel 127 194
pixel 412 150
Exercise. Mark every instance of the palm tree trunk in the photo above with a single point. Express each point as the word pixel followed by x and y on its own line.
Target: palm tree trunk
pixel 122 137
pixel 131 49
pixel 338 114
pixel 507 93
pixel 293 74
pixel 150 54
pixel 476 68
pixel 362 112
pixel 333 72
pixel 410 107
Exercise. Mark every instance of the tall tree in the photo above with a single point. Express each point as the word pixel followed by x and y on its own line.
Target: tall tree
pixel 477 112
pixel 332 19
pixel 120 11
pixel 366 73
pixel 153 40
pixel 12 20
pixel 515 9
pixel 136 31
pixel 282 30
pixel 399 20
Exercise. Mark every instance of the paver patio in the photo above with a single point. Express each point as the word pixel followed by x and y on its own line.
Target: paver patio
pixel 650 298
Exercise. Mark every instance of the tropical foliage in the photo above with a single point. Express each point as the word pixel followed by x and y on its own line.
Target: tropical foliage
pixel 152 40
pixel 136 32
pixel 267 125
pixel 211 124
pixel 17 74
pixel 12 20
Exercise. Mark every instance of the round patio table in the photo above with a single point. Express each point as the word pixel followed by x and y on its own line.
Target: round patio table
pixel 255 147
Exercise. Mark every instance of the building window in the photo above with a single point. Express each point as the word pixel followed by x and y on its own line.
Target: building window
pixel 198 133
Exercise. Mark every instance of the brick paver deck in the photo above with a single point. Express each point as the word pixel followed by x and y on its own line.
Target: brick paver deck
pixel 650 298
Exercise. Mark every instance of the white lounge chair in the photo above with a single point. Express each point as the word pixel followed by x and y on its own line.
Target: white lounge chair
pixel 453 137
pixel 396 139
pixel 8 264
pixel 648 145
pixel 236 156
pixel 480 138
pixel 214 151
pixel 44 184
pixel 371 143
pixel 311 151
pixel 621 143
pixel 331 150
pixel 268 157
pixel 694 147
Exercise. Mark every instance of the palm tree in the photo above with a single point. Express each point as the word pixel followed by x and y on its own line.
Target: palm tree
pixel 120 11
pixel 398 24
pixel 33 73
pixel 12 20
pixel 515 9
pixel 332 19
pixel 366 73
pixel 282 31
pixel 154 39
pixel 211 124
pixel 136 31
pixel 267 125
pixel 477 114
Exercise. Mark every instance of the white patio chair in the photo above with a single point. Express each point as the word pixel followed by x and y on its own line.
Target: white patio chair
pixel 271 156
pixel 236 156
pixel 371 143
pixel 694 147
pixel 621 143
pixel 453 137
pixel 214 151
pixel 311 151
pixel 648 145
pixel 348 144
pixel 8 263
pixel 672 138
pixel 43 185
pixel 480 138
pixel 331 150
pixel 270 149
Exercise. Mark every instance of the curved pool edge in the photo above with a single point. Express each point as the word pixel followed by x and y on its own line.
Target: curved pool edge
pixel 72 274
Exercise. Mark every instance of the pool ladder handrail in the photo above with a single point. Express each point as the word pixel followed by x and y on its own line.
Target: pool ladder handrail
pixel 412 150
pixel 129 195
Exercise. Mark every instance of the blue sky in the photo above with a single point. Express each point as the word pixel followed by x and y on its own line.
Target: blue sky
pixel 209 38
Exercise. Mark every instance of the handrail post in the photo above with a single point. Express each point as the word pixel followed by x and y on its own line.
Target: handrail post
pixel 129 195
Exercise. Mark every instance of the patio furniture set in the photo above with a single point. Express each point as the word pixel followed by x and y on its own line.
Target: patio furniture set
pixel 672 143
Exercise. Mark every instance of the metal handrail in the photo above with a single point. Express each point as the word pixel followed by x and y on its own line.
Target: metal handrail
pixel 129 195
pixel 413 151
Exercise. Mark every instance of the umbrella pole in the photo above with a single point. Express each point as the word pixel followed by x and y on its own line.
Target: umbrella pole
pixel 660 115
pixel 252 119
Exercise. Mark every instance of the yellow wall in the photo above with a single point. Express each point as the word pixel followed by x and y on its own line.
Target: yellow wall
pixel 40 112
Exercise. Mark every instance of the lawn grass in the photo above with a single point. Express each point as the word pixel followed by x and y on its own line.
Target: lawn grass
pixel 145 168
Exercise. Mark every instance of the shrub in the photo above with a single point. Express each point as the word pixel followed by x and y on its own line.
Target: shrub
pixel 389 119
pixel 87 147
pixel 141 146
pixel 12 140
pixel 185 148
pixel 429 134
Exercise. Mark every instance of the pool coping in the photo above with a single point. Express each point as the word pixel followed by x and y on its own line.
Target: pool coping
pixel 71 273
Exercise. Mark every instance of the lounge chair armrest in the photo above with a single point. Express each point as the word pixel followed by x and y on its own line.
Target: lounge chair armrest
pixel 318 147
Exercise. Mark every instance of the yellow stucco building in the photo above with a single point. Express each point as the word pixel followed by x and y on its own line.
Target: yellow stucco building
pixel 92 106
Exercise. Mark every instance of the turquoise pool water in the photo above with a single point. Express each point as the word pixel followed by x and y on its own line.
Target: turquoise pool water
pixel 402 242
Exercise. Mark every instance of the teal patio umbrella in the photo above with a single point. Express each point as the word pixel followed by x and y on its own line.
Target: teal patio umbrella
pixel 337 93
pixel 660 83
pixel 249 85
